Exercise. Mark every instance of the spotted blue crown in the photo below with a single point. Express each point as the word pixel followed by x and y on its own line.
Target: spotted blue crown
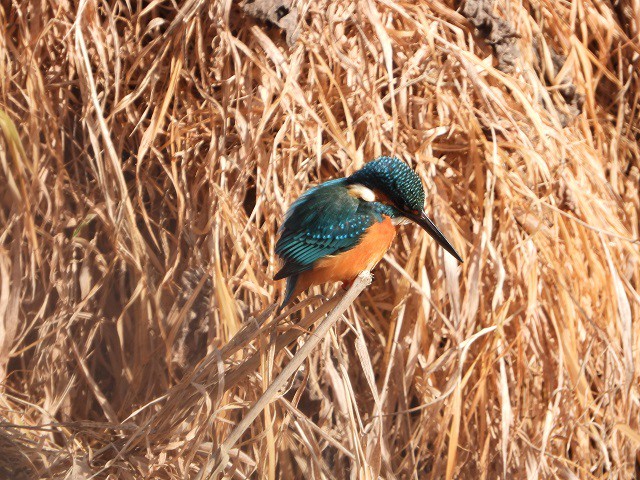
pixel 394 178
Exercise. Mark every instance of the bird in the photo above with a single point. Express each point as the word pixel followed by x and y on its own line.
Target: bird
pixel 344 226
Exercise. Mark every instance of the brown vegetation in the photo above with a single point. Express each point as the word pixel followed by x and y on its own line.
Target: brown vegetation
pixel 148 152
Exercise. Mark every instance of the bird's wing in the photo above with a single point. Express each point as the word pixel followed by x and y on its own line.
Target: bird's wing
pixel 326 220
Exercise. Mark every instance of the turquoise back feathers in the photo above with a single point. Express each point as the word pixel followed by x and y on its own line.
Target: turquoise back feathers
pixel 324 221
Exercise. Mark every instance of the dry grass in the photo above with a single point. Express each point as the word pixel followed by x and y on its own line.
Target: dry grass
pixel 148 151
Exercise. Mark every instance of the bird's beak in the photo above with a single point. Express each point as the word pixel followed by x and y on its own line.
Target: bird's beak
pixel 426 223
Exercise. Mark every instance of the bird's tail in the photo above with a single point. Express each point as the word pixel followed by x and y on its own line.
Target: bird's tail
pixel 292 281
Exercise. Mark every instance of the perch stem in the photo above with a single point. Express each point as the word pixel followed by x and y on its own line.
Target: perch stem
pixel 221 456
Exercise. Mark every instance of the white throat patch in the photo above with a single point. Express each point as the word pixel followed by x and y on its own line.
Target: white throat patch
pixel 362 192
pixel 400 221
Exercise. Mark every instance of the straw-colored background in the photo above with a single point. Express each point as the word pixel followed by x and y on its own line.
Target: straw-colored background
pixel 148 153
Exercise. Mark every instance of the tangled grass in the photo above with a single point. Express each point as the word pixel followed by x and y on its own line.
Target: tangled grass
pixel 148 151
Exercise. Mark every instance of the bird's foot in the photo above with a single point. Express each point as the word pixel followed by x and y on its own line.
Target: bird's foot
pixel 346 285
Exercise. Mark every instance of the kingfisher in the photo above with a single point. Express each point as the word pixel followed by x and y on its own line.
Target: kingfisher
pixel 342 227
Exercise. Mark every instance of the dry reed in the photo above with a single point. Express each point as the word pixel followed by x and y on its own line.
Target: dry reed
pixel 148 151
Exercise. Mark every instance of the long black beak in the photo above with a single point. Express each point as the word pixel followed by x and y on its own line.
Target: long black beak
pixel 426 223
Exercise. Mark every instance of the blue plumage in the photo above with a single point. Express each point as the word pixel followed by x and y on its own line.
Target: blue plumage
pixel 394 177
pixel 324 221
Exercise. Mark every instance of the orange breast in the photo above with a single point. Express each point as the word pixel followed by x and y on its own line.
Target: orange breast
pixel 346 266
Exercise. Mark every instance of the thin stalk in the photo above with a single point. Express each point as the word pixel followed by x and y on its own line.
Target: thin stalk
pixel 220 458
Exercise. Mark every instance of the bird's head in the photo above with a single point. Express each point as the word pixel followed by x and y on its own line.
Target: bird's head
pixel 391 181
